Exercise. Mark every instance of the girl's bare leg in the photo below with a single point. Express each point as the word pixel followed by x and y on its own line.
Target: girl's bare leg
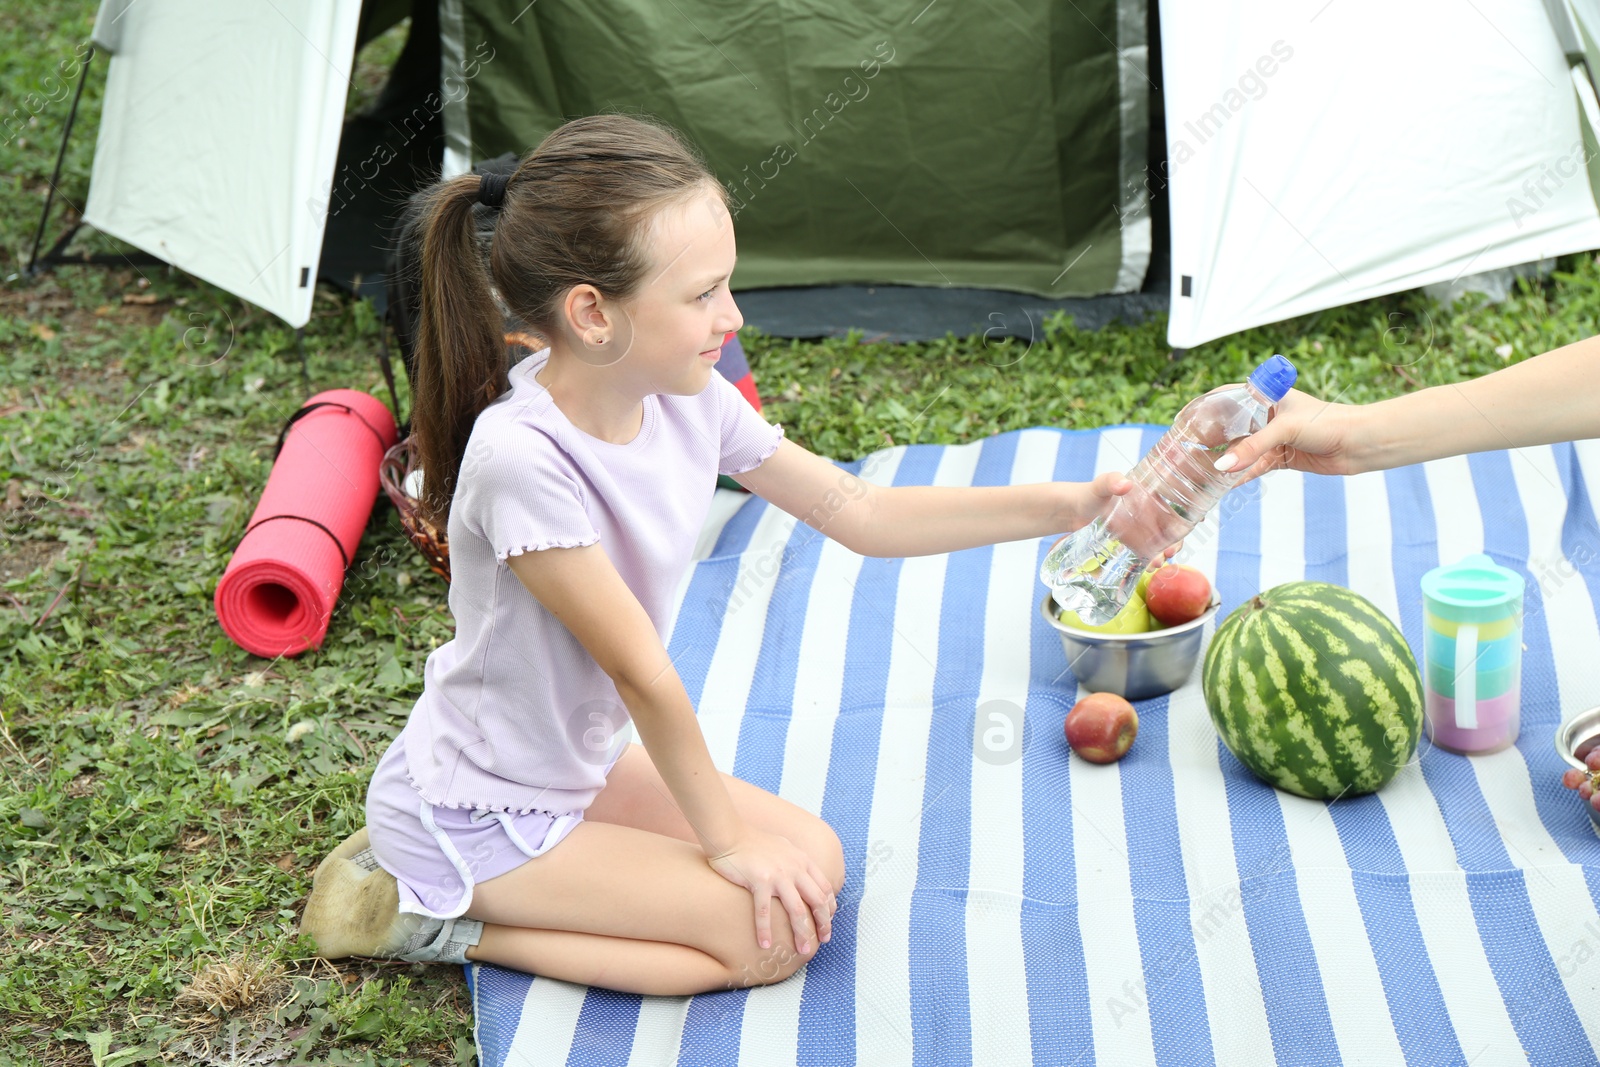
pixel 626 901
pixel 633 911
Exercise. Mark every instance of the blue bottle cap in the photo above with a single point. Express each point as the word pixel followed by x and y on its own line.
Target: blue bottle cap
pixel 1274 378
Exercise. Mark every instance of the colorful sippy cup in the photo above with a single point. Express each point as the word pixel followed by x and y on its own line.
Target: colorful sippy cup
pixel 1472 655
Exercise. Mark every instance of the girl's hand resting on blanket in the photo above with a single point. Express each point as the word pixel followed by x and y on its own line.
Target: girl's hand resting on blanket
pixel 770 865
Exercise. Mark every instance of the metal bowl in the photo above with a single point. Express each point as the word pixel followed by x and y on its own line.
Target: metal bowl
pixel 1571 734
pixel 1135 666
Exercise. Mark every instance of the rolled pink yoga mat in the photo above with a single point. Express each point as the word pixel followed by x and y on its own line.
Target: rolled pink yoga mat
pixel 280 587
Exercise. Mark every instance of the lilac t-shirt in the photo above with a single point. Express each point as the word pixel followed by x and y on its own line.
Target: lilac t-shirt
pixel 515 715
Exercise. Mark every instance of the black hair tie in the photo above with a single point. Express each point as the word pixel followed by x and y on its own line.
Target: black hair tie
pixel 492 189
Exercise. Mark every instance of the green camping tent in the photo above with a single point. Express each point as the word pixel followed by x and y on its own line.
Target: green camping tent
pixel 999 146
pixel 995 145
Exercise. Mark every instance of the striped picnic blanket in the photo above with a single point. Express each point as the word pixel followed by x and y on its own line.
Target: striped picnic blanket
pixel 1011 904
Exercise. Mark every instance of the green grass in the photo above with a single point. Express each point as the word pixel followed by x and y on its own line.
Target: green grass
pixel 156 824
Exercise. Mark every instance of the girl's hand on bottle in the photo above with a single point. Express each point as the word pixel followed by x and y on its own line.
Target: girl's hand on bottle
pixel 1105 489
pixel 1304 434
pixel 771 866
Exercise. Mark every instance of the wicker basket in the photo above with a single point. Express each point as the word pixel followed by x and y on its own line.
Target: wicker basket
pixel 394 474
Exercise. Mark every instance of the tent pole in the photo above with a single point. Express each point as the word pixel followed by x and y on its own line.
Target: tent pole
pixel 386 361
pixel 300 343
pixel 61 155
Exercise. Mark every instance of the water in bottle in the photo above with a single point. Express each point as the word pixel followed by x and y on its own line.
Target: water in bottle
pixel 1093 571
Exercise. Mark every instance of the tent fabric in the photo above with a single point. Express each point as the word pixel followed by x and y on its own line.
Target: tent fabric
pixel 877 142
pixel 1313 162
pixel 1576 23
pixel 1008 903
pixel 1310 163
pixel 218 136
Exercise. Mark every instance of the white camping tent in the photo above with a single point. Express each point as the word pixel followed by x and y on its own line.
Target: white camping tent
pixel 1319 151
pixel 1326 151
pixel 218 138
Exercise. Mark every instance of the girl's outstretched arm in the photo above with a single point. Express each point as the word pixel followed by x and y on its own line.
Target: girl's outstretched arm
pixel 920 520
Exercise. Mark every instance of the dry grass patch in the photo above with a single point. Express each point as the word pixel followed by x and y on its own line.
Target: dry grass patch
pixel 225 987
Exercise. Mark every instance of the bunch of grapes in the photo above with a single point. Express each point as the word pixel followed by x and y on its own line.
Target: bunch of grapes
pixel 1585 782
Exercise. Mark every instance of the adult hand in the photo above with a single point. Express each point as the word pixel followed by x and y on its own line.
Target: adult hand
pixel 769 866
pixel 1304 434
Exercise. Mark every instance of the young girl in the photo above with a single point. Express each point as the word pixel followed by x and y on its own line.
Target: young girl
pixel 512 820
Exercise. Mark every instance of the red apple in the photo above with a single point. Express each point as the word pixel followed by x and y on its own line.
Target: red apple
pixel 1177 594
pixel 1101 727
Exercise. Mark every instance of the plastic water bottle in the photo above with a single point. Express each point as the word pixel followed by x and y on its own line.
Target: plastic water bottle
pixel 1093 571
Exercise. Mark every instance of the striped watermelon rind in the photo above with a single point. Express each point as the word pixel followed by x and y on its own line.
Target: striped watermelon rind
pixel 1315 690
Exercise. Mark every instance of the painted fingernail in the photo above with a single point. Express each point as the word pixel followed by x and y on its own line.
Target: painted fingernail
pixel 765 943
pixel 1226 462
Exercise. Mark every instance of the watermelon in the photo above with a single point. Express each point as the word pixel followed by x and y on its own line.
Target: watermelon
pixel 1313 689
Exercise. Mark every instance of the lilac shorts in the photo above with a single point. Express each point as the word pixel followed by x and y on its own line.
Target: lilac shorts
pixel 438 854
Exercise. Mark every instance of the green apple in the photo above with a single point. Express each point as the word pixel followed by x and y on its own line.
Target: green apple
pixel 1144 583
pixel 1132 619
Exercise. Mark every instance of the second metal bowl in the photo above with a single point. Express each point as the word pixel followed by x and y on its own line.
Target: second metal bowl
pixel 1569 735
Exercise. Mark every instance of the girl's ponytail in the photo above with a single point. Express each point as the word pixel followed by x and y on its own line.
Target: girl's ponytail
pixel 460 349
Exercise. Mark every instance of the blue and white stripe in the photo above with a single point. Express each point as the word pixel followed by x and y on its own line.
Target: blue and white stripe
pixel 1169 909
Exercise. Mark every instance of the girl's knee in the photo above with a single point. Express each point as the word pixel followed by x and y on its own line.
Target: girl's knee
pixel 828 852
pixel 768 966
pixel 751 965
pixel 821 843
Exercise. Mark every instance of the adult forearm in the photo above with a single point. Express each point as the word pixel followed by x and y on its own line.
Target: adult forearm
pixel 920 520
pixel 665 720
pixel 1541 400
